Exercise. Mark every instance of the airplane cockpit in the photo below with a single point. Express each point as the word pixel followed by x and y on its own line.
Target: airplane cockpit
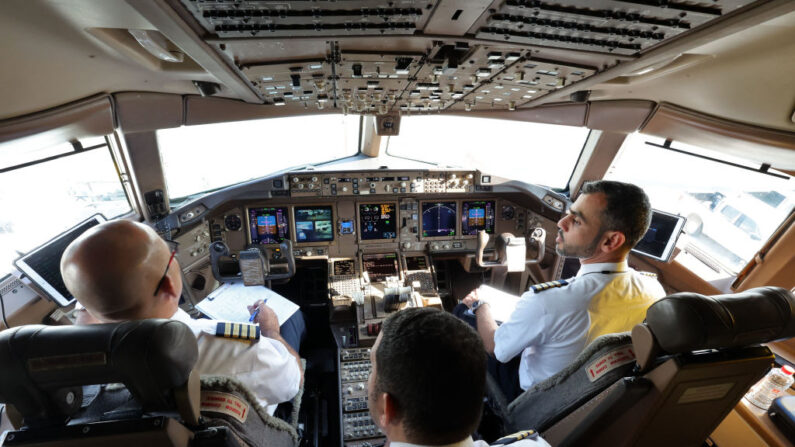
pixel 358 158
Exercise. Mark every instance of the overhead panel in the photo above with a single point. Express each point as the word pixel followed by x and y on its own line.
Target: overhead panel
pixel 308 18
pixel 606 26
pixel 306 82
pixel 372 83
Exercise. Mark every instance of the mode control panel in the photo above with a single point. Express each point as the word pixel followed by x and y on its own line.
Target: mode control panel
pixel 315 184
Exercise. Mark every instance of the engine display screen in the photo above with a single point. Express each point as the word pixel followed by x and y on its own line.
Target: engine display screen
pixel 314 224
pixel 268 225
pixel 476 216
pixel 438 219
pixel 416 263
pixel 378 221
pixel 380 266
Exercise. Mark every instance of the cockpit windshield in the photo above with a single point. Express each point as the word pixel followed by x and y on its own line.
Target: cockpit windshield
pixel 201 158
pixel 510 149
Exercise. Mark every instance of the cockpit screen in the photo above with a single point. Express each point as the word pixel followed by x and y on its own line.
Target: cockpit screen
pixel 314 224
pixel 378 221
pixel 268 225
pixel 380 266
pixel 416 263
pixel 438 219
pixel 476 216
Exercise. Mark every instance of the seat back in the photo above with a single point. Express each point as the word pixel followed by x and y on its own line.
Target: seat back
pixel 697 356
pixel 604 361
pixel 225 402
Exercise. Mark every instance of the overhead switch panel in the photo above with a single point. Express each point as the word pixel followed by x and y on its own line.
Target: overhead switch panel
pixel 261 18
pixel 607 26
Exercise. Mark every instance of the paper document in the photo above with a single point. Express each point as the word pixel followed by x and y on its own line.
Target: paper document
pixel 501 304
pixel 229 303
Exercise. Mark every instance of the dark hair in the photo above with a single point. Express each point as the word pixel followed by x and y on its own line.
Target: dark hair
pixel 628 209
pixel 434 366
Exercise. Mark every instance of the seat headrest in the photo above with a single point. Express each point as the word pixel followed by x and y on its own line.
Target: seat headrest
pixel 151 357
pixel 685 322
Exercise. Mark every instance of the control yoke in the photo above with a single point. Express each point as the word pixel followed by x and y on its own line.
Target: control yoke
pixel 511 250
pixel 251 265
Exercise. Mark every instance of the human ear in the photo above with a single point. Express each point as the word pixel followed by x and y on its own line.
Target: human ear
pixel 390 412
pixel 614 240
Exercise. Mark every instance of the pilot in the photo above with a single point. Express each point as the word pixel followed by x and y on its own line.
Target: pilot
pixel 113 270
pixel 428 380
pixel 554 321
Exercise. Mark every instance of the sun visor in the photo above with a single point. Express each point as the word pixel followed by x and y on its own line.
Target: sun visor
pixel 761 145
pixel 143 112
pixel 90 117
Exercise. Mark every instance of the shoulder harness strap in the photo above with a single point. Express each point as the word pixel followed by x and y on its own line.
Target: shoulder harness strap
pixel 518 436
pixel 548 285
pixel 238 331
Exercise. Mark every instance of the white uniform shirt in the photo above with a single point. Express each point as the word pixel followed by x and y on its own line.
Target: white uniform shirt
pixel 468 442
pixel 265 367
pixel 549 328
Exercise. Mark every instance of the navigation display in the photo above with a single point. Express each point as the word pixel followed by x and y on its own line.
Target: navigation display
pixel 313 224
pixel 438 219
pixel 268 225
pixel 378 221
pixel 476 216
pixel 380 266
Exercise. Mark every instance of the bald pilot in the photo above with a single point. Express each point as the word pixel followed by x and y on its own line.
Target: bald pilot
pixel 113 270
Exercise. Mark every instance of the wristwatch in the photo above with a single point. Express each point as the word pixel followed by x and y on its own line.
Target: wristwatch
pixel 475 305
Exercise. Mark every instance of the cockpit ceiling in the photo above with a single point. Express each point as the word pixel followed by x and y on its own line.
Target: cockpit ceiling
pixel 435 55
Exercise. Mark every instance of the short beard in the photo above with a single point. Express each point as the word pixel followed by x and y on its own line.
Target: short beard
pixel 577 251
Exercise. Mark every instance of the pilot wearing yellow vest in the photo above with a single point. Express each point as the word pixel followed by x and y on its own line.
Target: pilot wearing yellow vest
pixel 553 322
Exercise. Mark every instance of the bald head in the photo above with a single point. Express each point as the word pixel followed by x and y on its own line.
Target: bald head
pixel 113 269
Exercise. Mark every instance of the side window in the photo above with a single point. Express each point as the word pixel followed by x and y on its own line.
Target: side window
pixel 731 211
pixel 44 191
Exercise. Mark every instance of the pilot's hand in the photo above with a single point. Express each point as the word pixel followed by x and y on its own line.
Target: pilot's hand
pixel 471 298
pixel 266 317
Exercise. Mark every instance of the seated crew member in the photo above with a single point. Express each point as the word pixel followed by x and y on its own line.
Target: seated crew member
pixel 554 321
pixel 428 381
pixel 112 270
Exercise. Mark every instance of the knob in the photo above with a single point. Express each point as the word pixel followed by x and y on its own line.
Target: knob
pixel 344 189
pixel 407 245
pixel 446 246
pixel 349 390
pixel 372 185
pixel 452 176
pixel 360 387
pixel 206 233
pixel 403 184
pixel 469 176
pixel 309 252
pixel 387 188
pixel 314 179
pixel 300 186
pixel 295 179
pixel 435 247
pixel 310 186
pixel 198 237
pixel 466 182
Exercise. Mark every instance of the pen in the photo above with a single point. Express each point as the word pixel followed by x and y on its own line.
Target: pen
pixel 256 312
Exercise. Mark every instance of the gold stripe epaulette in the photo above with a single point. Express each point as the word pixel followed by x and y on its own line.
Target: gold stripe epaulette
pixel 518 436
pixel 238 331
pixel 548 285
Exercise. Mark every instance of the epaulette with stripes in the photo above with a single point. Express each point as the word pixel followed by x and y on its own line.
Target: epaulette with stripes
pixel 518 436
pixel 649 274
pixel 238 331
pixel 548 285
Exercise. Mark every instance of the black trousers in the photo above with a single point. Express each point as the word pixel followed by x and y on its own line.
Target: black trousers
pixel 506 374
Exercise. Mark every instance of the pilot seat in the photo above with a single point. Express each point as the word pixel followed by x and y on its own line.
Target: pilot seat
pixel 671 382
pixel 124 384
